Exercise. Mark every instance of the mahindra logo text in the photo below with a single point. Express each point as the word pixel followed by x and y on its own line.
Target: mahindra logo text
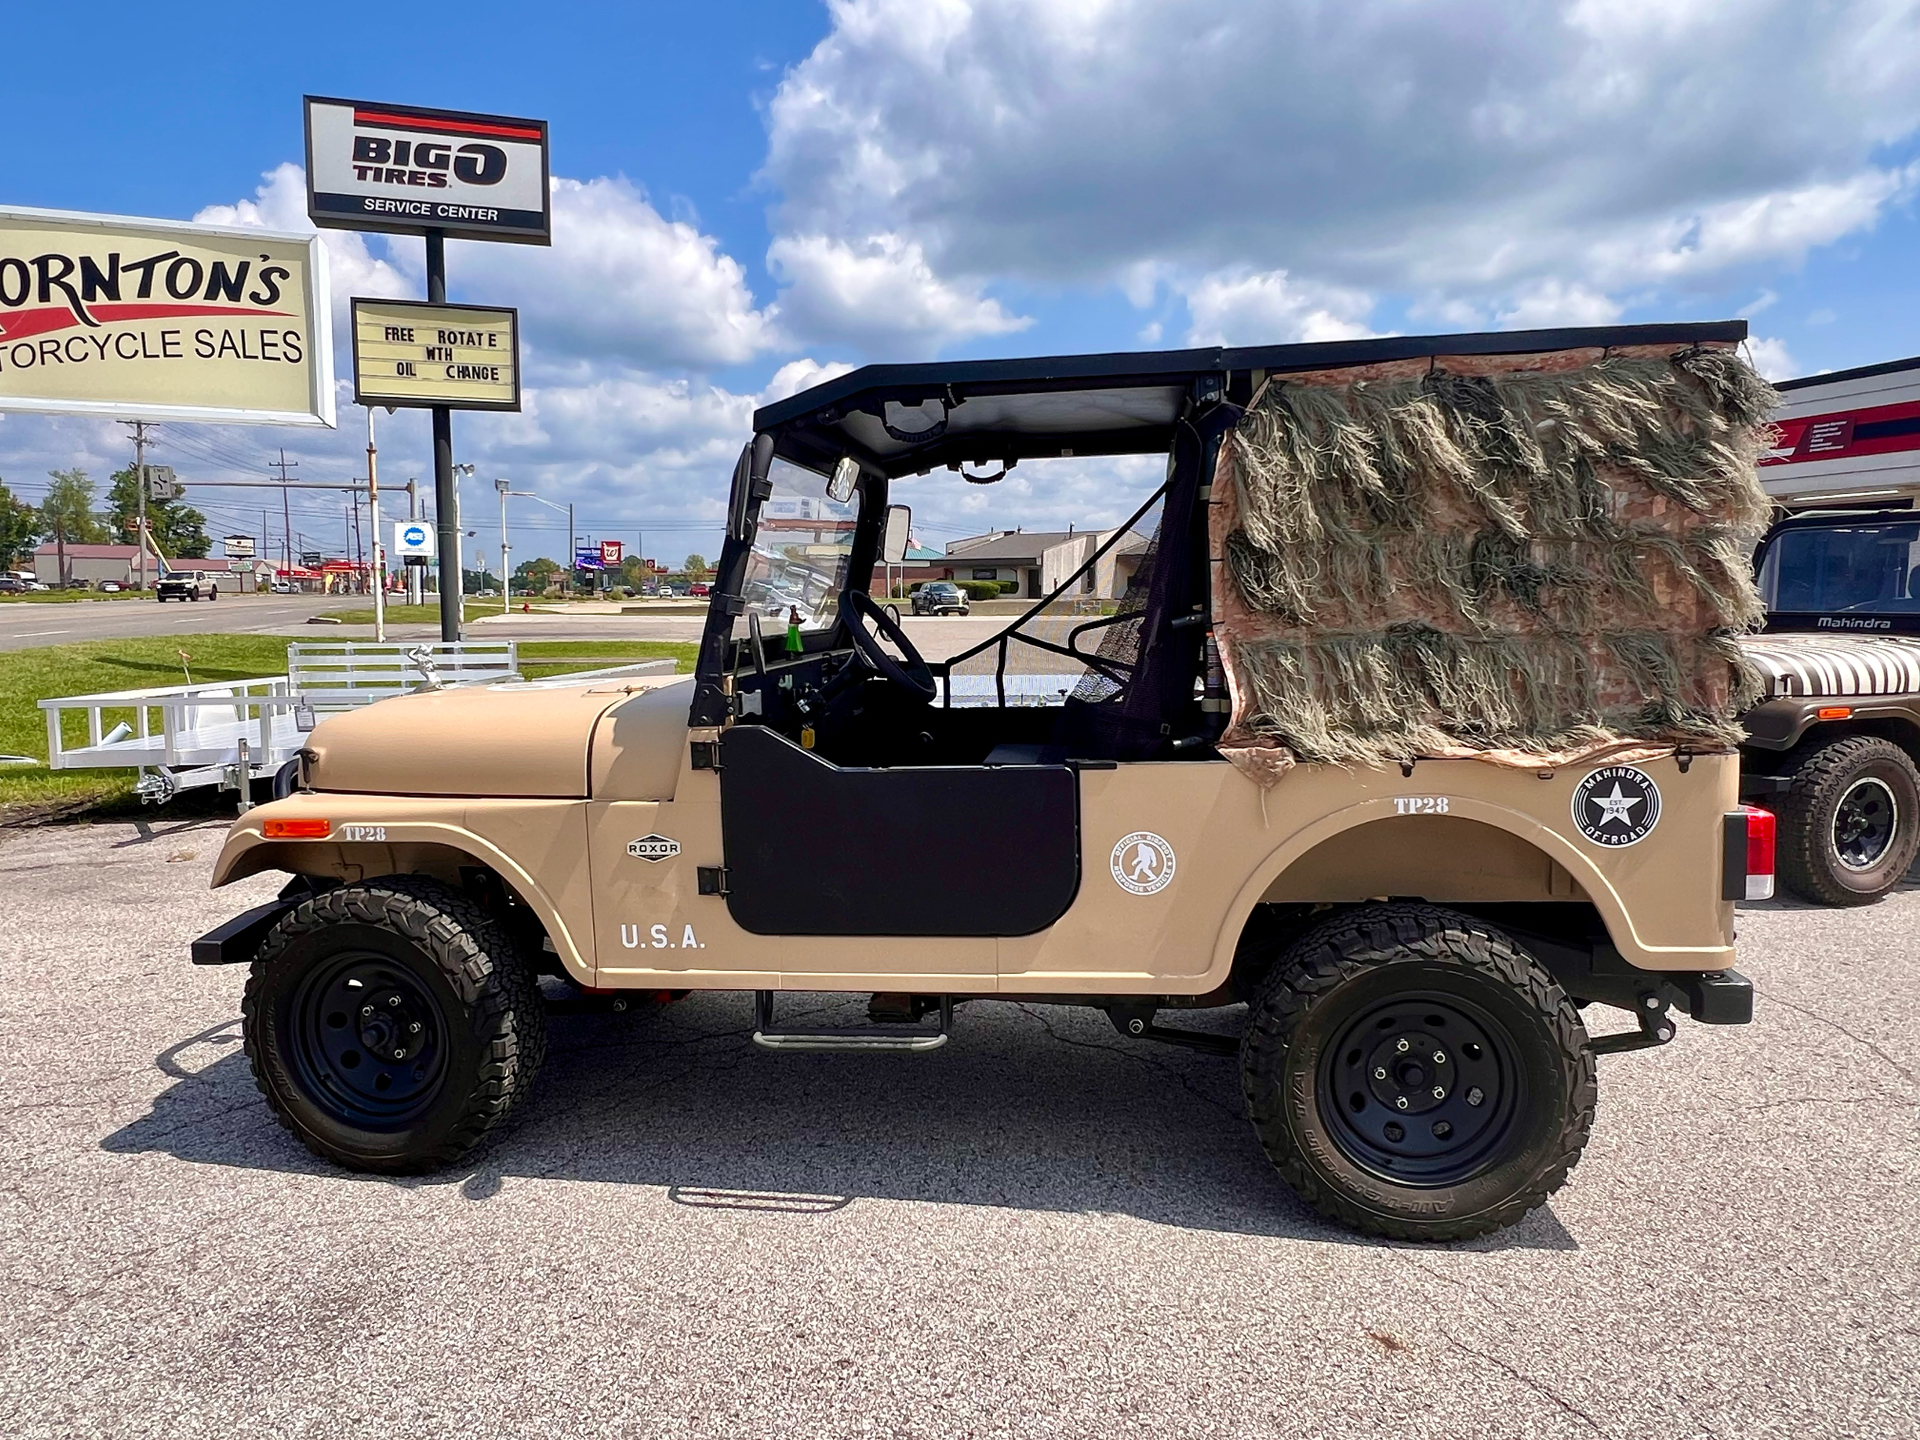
pixel 405 162
pixel 1852 622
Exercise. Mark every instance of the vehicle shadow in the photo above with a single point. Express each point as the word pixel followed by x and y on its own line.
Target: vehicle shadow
pixel 1028 1107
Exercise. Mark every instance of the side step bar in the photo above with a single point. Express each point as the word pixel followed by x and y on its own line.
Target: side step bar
pixel 863 1039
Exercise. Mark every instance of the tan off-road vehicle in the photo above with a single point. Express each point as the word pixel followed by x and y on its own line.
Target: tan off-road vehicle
pixel 1410 736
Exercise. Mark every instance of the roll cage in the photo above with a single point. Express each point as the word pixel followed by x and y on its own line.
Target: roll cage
pixel 896 420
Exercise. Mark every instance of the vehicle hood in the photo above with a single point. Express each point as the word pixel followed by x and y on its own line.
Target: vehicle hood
pixel 482 740
pixel 1830 664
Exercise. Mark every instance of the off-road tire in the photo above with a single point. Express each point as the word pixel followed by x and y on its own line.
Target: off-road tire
pixel 1361 959
pixel 494 1018
pixel 1808 861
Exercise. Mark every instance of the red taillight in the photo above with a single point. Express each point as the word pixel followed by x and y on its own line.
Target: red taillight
pixel 1759 852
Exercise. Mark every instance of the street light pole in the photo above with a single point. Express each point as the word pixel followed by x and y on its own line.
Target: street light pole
pixel 379 553
pixel 506 552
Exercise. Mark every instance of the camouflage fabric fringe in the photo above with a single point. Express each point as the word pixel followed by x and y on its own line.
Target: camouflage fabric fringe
pixel 1535 560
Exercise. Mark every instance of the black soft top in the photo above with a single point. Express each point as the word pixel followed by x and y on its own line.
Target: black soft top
pixel 906 418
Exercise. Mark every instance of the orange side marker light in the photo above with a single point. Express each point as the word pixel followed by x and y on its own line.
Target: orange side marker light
pixel 297 829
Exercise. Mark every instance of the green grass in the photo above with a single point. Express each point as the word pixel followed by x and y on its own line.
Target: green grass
pixel 70 597
pixel 28 676
pixel 410 614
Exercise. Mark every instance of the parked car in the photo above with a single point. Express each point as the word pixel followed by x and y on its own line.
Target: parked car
pixel 284 587
pixel 941 597
pixel 700 588
pixel 11 585
pixel 111 587
pixel 186 585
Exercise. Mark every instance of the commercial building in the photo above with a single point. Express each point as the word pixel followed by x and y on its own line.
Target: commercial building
pixel 1849 437
pixel 1037 561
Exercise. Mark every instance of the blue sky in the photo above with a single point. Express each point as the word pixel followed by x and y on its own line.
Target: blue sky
pixel 754 195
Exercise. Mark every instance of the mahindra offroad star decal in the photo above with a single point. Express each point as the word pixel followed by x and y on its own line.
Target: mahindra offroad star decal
pixel 1616 805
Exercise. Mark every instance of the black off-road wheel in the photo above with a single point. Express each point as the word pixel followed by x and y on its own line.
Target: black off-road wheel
pixel 392 1025
pixel 1850 822
pixel 1413 1073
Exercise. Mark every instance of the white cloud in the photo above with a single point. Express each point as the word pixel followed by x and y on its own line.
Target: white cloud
pixel 619 280
pixel 879 294
pixel 797 375
pixel 1474 153
pixel 1548 303
pixel 1241 308
pixel 1770 358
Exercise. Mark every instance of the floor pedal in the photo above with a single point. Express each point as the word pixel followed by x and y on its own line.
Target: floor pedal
pixel 861 1038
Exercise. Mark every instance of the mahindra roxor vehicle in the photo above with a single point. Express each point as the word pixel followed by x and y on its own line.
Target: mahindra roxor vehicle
pixel 1410 749
pixel 1834 743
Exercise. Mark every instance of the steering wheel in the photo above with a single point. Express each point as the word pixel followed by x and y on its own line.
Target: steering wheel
pixel 911 674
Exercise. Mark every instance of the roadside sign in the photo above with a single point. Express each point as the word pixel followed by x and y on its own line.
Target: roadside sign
pixel 160 483
pixel 158 320
pixel 238 547
pixel 586 557
pixel 312 559
pixel 408 170
pixel 610 553
pixel 465 357
pixel 413 541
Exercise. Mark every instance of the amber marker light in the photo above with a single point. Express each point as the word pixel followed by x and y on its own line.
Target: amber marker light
pixel 1835 712
pixel 297 829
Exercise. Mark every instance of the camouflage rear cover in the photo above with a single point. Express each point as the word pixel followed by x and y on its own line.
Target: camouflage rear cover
pixel 1529 559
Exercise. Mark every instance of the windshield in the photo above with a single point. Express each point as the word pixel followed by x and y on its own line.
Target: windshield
pixel 800 551
pixel 1863 568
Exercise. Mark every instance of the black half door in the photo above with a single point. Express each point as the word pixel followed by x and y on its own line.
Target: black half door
pixel 813 849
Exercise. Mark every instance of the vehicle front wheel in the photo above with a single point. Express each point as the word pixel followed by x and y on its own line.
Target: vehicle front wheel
pixel 1850 822
pixel 392 1024
pixel 1415 1074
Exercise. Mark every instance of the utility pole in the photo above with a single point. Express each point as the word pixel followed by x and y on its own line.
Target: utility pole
pixel 506 552
pixel 286 511
pixel 140 484
pixel 415 573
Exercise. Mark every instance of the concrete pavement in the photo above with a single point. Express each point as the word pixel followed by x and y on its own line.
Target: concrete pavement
pixel 1042 1229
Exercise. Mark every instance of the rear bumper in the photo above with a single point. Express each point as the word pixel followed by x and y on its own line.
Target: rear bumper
pixel 1723 997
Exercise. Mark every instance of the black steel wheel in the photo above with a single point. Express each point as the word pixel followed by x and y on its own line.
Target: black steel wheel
pixel 1413 1073
pixel 392 1024
pixel 1849 822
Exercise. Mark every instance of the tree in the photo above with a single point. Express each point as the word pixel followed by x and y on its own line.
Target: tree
pixel 19 530
pixel 67 513
pixel 179 531
pixel 535 575
pixel 696 567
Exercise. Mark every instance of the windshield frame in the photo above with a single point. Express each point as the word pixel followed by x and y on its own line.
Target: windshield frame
pixel 1836 620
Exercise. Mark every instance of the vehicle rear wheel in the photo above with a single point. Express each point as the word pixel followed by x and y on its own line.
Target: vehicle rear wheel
pixel 1850 822
pixel 1415 1074
pixel 392 1025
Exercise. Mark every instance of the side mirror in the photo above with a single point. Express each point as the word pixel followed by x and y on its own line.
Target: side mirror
pixel 846 474
pixel 893 535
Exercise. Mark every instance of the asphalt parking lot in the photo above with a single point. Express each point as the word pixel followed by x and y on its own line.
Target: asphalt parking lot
pixel 1043 1229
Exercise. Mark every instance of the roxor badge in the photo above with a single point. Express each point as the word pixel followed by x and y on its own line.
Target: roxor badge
pixel 653 847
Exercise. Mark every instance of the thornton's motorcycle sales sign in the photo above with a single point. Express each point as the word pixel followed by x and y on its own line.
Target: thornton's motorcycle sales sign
pixel 409 170
pixel 159 320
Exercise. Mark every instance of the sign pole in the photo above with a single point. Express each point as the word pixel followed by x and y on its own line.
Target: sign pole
pixel 140 479
pixel 446 498
pixel 379 550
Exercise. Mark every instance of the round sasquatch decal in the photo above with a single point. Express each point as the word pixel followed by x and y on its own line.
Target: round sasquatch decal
pixel 1142 863
pixel 1616 805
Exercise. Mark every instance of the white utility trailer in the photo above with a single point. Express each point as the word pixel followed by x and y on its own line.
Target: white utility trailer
pixel 231 732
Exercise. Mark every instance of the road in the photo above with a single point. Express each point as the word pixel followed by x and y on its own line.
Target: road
pixel 1042 1229
pixel 22 626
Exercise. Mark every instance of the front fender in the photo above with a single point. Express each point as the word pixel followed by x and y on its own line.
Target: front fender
pixel 371 835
